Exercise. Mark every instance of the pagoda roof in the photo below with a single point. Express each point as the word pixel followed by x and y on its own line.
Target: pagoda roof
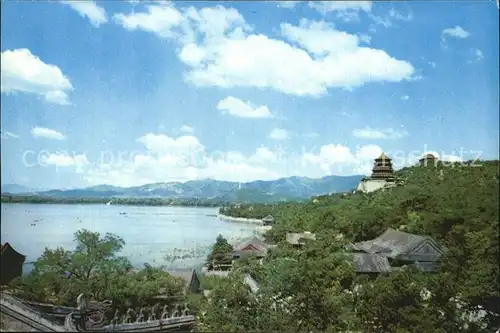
pixel 383 157
pixel 6 248
pixel 429 156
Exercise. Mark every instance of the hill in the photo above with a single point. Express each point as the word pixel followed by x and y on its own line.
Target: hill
pixel 457 204
pixel 292 188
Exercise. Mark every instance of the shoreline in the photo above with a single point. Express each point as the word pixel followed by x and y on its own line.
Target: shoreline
pixel 239 219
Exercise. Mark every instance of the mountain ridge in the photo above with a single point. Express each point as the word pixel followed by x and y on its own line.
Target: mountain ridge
pixel 284 188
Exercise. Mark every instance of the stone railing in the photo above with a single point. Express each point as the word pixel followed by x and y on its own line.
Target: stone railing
pixel 153 318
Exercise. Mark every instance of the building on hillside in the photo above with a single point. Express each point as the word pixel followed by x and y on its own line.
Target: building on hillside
pixel 297 239
pixel 11 264
pixel 268 220
pixel 402 249
pixel 382 176
pixel 190 278
pixel 428 160
pixel 370 264
pixel 250 247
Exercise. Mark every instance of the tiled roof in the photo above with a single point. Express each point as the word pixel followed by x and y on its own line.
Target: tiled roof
pixel 391 243
pixel 268 218
pixel 7 247
pixel 370 263
pixel 185 274
pixel 257 243
pixel 383 157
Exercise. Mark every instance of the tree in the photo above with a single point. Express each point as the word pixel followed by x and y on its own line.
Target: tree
pixel 221 251
pixel 93 268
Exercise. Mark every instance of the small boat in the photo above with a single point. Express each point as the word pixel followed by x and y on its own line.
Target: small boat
pixel 123 213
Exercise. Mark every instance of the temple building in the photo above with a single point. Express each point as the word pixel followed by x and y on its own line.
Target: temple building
pixel 394 249
pixel 250 246
pixel 268 220
pixel 382 175
pixel 12 264
pixel 428 160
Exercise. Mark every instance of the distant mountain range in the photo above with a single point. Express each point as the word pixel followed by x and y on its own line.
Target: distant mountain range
pixel 281 189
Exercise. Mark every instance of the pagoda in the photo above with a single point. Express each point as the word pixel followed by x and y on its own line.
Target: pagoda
pixel 382 176
pixel 428 160
pixel 382 168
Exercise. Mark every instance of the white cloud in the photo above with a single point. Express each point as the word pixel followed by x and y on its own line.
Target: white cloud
pixel 389 133
pixel 340 6
pixel 41 132
pixel 405 97
pixel 478 53
pixel 388 20
pixel 432 64
pixel 165 159
pixel 237 108
pixel 219 49
pixel 62 159
pixel 159 19
pixel 161 143
pixel 279 134
pixel 8 135
pixel 287 4
pixel 187 129
pixel 96 14
pixel 456 32
pixel 24 72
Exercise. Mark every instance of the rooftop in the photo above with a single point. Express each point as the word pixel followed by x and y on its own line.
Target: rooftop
pixel 392 243
pixel 370 263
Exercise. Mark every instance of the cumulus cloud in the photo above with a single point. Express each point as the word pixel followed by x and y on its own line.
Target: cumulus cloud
pixel 89 9
pixel 163 158
pixel 279 134
pixel 405 97
pixel 340 6
pixel 220 49
pixel 370 133
pixel 187 129
pixel 61 159
pixel 237 108
pixel 8 135
pixel 24 72
pixel 47 133
pixel 455 32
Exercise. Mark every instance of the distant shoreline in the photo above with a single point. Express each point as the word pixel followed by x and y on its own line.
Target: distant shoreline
pixel 239 219
pixel 157 202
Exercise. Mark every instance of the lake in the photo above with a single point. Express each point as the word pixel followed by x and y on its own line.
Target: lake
pixel 150 233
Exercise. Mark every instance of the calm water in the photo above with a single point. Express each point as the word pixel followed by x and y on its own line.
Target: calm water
pixel 150 233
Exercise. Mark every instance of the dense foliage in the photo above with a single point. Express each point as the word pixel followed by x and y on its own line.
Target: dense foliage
pixel 220 253
pixel 95 269
pixel 313 290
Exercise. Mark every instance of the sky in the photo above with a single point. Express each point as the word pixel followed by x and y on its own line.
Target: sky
pixel 129 93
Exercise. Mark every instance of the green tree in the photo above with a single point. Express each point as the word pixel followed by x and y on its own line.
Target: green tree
pixel 221 252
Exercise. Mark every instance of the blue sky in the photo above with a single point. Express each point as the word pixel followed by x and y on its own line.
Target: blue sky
pixel 127 93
